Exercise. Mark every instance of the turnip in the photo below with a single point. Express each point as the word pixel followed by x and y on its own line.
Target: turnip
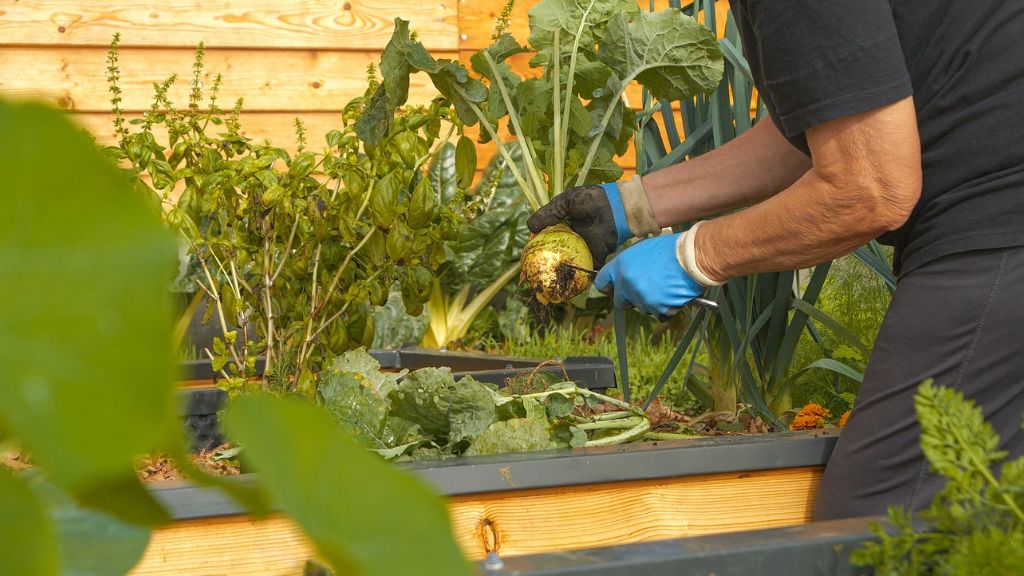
pixel 557 264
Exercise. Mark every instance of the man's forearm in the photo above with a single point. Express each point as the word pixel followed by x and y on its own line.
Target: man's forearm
pixel 754 166
pixel 866 180
pixel 807 224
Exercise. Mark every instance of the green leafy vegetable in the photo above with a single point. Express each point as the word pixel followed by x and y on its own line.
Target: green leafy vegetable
pixel 428 415
pixel 516 435
pixel 571 121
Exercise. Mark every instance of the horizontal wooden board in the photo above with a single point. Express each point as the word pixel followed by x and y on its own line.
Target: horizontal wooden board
pixel 269 80
pixel 517 522
pixel 338 24
pixel 545 520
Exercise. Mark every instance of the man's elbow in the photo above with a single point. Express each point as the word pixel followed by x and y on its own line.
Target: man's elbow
pixel 894 197
pixel 879 203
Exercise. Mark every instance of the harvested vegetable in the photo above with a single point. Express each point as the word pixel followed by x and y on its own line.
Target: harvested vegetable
pixel 428 415
pixel 557 265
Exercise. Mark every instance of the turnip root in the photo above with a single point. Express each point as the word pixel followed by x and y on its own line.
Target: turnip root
pixel 557 263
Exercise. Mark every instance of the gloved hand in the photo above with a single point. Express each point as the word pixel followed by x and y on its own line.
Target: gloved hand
pixel 649 276
pixel 605 215
pixel 594 212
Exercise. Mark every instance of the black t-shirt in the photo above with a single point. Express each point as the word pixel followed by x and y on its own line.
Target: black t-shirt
pixel 963 62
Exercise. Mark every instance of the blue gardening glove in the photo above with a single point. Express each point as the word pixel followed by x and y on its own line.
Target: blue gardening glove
pixel 648 276
pixel 595 212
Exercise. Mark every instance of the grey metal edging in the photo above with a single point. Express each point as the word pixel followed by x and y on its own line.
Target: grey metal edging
pixel 642 461
pixel 815 549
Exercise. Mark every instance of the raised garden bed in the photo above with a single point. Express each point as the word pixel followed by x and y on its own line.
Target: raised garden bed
pixel 519 504
pixel 200 399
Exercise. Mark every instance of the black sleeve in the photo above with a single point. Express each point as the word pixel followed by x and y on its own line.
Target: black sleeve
pixel 824 59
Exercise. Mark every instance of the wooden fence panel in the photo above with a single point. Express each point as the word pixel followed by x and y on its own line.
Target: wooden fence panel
pixel 337 24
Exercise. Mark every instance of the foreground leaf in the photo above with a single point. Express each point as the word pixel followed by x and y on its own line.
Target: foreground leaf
pixel 27 533
pixel 85 337
pixel 364 516
pixel 91 543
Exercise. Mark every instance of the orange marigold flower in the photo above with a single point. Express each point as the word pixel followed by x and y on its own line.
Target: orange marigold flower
pixel 842 419
pixel 810 416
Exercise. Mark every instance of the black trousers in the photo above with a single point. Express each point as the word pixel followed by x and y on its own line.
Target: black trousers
pixel 959 320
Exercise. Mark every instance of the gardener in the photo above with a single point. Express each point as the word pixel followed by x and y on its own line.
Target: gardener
pixel 899 120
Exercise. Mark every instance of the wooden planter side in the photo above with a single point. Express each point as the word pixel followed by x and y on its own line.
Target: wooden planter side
pixel 815 549
pixel 517 522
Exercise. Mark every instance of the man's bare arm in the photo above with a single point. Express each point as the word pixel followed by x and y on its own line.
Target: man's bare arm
pixel 865 180
pixel 754 166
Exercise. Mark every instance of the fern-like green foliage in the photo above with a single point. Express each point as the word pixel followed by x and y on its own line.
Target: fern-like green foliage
pixel 975 525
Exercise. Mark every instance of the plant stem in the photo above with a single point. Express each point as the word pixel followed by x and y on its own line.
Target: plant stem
pixel 667 436
pixel 632 434
pixel 513 116
pixel 286 252
pixel 534 203
pixel 570 86
pixel 619 424
pixel 592 152
pixel 986 473
pixel 556 177
pixel 220 314
pixel 268 281
pixel 341 269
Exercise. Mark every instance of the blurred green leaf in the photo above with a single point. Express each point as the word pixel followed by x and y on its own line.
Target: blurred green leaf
pixel 91 543
pixel 364 516
pixel 84 263
pixel 27 533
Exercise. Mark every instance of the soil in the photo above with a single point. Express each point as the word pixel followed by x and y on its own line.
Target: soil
pixel 149 468
pixel 161 468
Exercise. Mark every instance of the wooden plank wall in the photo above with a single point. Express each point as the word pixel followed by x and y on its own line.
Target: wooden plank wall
pixel 287 58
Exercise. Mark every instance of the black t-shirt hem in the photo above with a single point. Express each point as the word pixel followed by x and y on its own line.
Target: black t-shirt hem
pixel 796 123
pixel 978 241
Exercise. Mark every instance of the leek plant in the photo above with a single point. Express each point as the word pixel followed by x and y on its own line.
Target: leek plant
pixel 751 343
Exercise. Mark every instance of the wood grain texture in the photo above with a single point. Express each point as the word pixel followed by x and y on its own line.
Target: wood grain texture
pixel 230 545
pixel 348 24
pixel 534 521
pixel 269 80
pixel 516 522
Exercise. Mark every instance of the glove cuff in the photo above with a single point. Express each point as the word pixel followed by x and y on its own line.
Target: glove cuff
pixel 639 214
pixel 686 254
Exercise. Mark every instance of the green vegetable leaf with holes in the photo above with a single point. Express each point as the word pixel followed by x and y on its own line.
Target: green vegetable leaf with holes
pixel 516 435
